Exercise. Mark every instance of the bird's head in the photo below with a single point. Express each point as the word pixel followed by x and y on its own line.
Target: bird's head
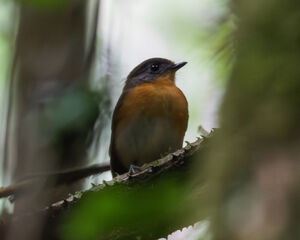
pixel 152 69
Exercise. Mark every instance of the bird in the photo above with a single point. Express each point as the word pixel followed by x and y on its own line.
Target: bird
pixel 150 118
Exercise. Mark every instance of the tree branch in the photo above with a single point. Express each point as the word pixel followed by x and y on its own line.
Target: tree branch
pixel 159 196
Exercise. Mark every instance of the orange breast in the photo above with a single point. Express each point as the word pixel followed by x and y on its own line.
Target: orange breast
pixel 158 99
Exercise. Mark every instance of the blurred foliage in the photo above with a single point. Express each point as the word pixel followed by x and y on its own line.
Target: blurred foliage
pixel 47 4
pixel 74 110
pixel 251 164
pixel 141 209
pixel 145 207
pixel 4 57
pixel 6 44
pixel 135 209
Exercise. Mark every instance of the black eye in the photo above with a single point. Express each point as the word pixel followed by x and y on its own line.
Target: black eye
pixel 154 67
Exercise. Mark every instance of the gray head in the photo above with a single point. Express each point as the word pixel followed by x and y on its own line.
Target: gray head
pixel 150 70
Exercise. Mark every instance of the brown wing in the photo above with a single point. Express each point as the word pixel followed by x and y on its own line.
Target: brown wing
pixel 115 163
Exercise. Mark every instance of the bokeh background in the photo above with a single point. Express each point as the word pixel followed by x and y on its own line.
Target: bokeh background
pixel 132 31
pixel 129 32
pixel 242 54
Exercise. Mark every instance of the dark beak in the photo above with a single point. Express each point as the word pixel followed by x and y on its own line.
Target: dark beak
pixel 177 66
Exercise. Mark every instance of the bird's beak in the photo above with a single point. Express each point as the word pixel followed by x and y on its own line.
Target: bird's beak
pixel 177 66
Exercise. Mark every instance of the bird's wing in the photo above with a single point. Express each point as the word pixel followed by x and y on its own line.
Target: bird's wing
pixel 116 165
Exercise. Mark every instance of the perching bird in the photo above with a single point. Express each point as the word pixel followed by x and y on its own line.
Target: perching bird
pixel 150 118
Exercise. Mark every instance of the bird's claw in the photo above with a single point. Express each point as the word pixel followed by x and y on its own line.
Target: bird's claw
pixel 133 169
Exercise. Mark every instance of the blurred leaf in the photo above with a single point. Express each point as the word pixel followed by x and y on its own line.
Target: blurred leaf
pixel 133 211
pixel 74 110
pixel 47 3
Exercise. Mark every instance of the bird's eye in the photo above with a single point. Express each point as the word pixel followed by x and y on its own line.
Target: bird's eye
pixel 154 67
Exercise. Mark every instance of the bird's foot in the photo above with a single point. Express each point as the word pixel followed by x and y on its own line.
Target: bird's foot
pixel 133 169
